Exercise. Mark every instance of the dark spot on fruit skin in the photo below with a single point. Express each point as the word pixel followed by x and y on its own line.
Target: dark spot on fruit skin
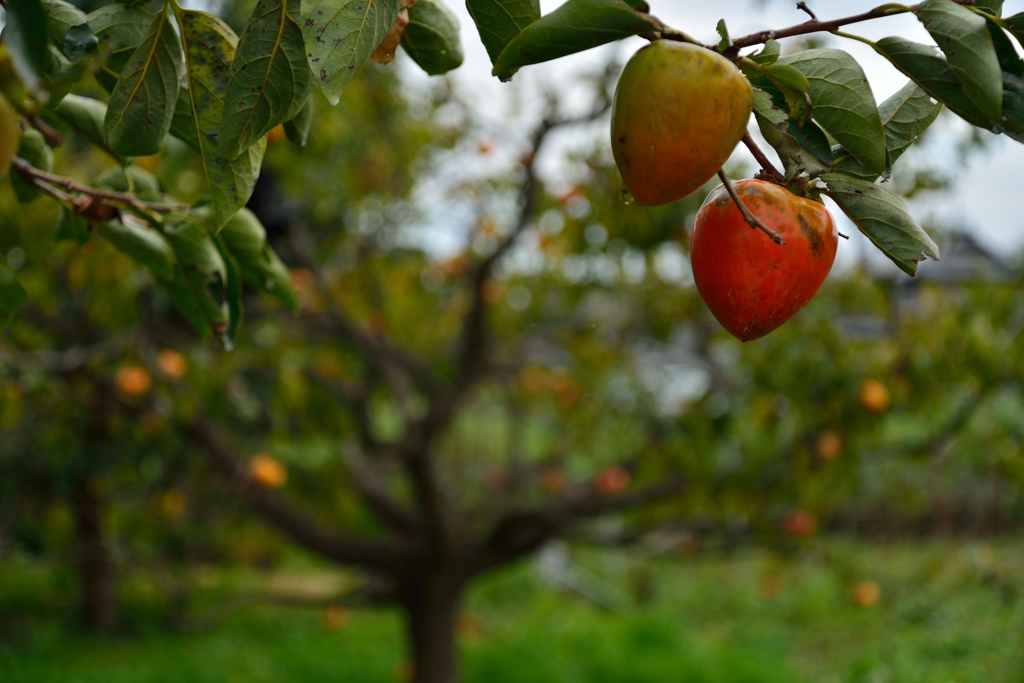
pixel 812 235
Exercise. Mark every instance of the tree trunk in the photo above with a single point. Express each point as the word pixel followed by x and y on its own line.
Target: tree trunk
pixel 431 601
pixel 95 565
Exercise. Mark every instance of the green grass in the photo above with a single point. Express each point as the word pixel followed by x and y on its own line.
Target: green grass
pixel 950 612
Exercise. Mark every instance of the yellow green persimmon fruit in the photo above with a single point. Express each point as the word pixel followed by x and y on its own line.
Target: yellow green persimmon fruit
pixel 679 112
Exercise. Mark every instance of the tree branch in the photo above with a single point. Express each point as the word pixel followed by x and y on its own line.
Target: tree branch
pixel 520 532
pixel 665 32
pixel 33 175
pixel 340 547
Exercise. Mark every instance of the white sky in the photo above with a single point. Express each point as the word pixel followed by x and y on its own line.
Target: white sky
pixel 983 199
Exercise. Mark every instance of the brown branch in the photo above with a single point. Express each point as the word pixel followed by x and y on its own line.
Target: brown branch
pixel 32 175
pixel 759 155
pixel 752 220
pixel 520 532
pixel 816 26
pixel 664 32
pixel 340 547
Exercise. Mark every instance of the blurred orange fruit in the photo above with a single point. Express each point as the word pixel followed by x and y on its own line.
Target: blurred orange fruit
pixel 828 446
pixel 800 524
pixel 334 617
pixel 172 364
pixel 873 396
pixel 276 134
pixel 866 594
pixel 612 480
pixel 172 504
pixel 134 380
pixel 267 472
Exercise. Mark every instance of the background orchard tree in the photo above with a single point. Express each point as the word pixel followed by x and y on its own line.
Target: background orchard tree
pixel 134 80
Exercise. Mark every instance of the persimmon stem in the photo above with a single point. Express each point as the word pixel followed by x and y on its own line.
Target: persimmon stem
pixel 759 155
pixel 752 220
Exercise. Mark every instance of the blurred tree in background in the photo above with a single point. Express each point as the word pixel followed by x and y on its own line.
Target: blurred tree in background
pixel 605 379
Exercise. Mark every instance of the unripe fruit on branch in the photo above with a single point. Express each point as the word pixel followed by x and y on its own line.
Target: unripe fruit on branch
pixel 750 283
pixel 679 112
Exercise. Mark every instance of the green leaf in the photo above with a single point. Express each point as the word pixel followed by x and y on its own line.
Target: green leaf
pixel 142 103
pixel 905 116
pixel 1015 25
pixel 923 65
pixel 246 239
pixel 80 42
pixel 297 128
pixel 120 30
pixel 60 16
pixel 843 103
pixel 884 218
pixel 1013 107
pixel 86 116
pixel 576 26
pixel 67 28
pixel 60 74
pixel 25 36
pixel 432 37
pixel 800 149
pixel 141 242
pixel 209 50
pixel 12 294
pixel 205 272
pixel 1009 60
pixel 965 39
pixel 341 35
pixel 186 301
pixel 34 150
pixel 993 7
pixel 769 54
pixel 792 84
pixel 499 21
pixel 270 79
pixel 71 226
pixel 725 41
pixel 131 179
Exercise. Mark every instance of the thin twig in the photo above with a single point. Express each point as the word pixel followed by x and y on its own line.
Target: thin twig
pixel 803 6
pixel 750 218
pixel 759 155
pixel 32 174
